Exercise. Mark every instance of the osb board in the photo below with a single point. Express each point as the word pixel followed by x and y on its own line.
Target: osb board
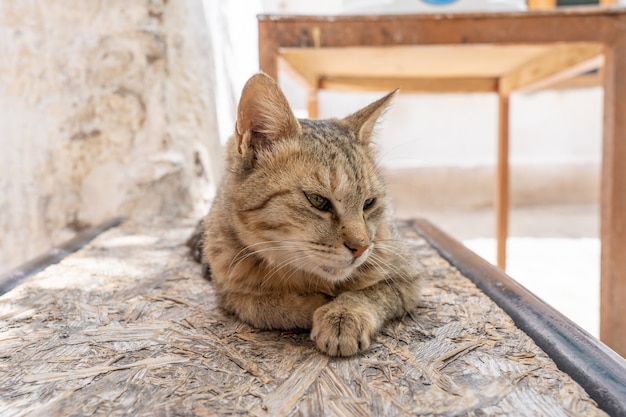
pixel 127 326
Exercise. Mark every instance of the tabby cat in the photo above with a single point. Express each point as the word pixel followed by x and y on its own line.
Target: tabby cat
pixel 299 235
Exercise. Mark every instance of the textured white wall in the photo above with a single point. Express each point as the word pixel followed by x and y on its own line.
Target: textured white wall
pixel 106 109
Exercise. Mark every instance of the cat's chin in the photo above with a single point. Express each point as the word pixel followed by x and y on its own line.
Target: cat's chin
pixel 336 274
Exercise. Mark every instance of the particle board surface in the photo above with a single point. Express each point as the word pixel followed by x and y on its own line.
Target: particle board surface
pixel 127 326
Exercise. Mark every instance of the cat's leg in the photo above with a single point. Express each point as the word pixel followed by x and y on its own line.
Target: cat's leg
pixel 196 244
pixel 196 241
pixel 347 324
pixel 274 311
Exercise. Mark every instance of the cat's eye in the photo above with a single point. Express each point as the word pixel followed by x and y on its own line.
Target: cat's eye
pixel 319 202
pixel 369 203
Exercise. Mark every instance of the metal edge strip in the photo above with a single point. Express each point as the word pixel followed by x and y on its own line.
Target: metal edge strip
pixel 15 276
pixel 592 364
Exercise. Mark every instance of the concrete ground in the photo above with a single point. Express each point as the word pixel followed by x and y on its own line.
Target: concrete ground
pixel 553 251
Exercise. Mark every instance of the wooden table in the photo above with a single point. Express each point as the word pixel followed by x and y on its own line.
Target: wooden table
pixel 500 53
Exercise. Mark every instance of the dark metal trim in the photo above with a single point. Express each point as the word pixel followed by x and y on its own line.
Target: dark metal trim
pixel 14 277
pixel 593 365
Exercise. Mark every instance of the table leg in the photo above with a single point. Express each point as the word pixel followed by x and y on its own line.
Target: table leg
pixel 312 104
pixel 502 180
pixel 613 204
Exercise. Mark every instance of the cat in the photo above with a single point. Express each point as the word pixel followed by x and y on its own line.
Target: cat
pixel 299 235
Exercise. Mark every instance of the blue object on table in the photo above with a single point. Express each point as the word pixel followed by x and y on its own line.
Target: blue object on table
pixel 439 2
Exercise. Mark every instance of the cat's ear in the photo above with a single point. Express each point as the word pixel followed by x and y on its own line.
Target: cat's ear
pixel 263 115
pixel 363 121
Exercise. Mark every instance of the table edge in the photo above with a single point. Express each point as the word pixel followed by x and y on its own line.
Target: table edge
pixel 564 11
pixel 592 364
pixel 13 277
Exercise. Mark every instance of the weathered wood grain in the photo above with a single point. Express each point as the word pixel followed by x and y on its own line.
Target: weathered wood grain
pixel 127 326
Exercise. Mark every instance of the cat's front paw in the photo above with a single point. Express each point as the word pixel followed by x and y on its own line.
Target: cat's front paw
pixel 341 330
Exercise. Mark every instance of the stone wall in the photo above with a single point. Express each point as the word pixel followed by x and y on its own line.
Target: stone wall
pixel 106 109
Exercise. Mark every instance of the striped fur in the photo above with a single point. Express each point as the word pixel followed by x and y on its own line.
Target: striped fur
pixel 277 261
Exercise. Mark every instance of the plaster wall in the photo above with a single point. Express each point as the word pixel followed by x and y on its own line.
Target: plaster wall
pixel 106 109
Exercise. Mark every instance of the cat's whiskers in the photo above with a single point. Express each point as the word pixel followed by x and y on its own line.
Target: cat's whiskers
pixel 396 271
pixel 294 266
pixel 323 253
pixel 293 272
pixel 313 260
pixel 287 278
pixel 239 258
pixel 392 272
pixel 264 242
pixel 393 245
pixel 389 278
pixel 381 264
pixel 288 263
pixel 236 259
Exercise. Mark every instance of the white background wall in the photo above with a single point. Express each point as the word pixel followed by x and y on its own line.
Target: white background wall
pixel 549 127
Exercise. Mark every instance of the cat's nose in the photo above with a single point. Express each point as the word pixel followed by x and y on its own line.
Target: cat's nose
pixel 356 249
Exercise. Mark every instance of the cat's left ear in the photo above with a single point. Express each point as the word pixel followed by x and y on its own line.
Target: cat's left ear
pixel 263 115
pixel 364 120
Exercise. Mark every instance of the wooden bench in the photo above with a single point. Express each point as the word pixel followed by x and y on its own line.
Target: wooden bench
pixel 127 326
pixel 496 52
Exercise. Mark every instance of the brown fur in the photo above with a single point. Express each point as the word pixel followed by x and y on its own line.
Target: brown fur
pixel 276 260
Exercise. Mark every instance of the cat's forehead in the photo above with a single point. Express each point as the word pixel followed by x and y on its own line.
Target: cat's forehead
pixel 325 129
pixel 342 164
pixel 329 143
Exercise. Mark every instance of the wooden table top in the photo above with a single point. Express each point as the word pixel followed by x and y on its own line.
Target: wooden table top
pixel 481 68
